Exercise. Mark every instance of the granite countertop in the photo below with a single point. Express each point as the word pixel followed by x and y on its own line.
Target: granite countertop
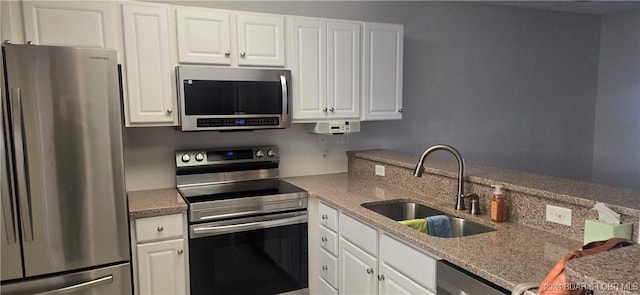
pixel 613 272
pixel 512 255
pixel 155 202
pixel 620 199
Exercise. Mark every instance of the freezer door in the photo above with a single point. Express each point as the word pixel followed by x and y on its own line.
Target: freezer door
pixel 10 244
pixel 67 138
pixel 110 280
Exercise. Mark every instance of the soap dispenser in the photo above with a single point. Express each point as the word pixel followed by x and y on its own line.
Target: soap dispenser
pixel 497 204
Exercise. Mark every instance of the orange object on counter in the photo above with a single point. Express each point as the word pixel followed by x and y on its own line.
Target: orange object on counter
pixel 497 204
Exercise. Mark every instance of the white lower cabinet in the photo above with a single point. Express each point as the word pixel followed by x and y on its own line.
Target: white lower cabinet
pixel 161 267
pixel 357 270
pixel 160 255
pixel 369 261
pixel 392 282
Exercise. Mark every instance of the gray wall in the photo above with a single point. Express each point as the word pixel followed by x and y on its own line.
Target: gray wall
pixel 510 87
pixel 616 152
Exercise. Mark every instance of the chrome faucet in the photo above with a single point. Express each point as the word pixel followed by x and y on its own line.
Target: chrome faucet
pixel 420 169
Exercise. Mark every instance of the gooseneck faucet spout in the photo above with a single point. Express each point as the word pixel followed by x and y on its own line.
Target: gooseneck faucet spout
pixel 420 169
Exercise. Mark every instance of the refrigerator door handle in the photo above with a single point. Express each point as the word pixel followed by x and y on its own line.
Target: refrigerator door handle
pixel 8 205
pixel 80 286
pixel 15 100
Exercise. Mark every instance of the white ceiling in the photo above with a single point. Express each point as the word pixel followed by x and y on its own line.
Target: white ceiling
pixel 588 7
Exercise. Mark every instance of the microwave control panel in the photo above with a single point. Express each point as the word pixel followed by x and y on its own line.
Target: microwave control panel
pixel 235 122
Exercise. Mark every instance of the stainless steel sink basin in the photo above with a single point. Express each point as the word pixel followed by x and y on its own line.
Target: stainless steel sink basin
pixel 403 210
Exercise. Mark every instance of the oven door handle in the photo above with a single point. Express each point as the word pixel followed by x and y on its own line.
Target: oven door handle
pixel 214 230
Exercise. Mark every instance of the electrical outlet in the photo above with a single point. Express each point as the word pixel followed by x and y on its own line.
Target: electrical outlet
pixel 559 215
pixel 379 170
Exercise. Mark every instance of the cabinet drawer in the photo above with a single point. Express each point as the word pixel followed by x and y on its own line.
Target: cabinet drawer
pixel 409 261
pixel 325 288
pixel 159 228
pixel 328 216
pixel 359 234
pixel 328 267
pixel 328 240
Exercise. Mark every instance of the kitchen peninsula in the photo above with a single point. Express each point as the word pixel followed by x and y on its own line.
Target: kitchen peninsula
pixel 522 249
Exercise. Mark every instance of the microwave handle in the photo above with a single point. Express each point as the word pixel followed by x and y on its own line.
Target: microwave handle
pixel 285 95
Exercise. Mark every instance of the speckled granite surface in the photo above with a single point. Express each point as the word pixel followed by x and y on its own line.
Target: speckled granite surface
pixel 155 202
pixel 613 272
pixel 577 192
pixel 522 250
pixel 526 194
pixel 511 255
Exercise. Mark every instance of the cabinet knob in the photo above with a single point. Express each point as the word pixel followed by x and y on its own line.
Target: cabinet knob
pixel 324 239
pixel 324 267
pixel 180 251
pixel 169 111
pixel 324 109
pixel 160 228
pixel 325 217
pixel 380 277
pixel 6 42
pixel 400 110
pixel 332 109
pixel 243 54
pixel 29 42
pixel 369 270
pixel 227 53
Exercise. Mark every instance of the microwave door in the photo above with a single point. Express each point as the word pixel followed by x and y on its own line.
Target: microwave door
pixel 260 98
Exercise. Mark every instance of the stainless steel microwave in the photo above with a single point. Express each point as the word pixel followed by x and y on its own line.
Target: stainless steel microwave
pixel 225 99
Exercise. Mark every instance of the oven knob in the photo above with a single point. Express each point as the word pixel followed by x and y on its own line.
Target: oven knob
pixel 186 158
pixel 271 153
pixel 199 157
pixel 259 154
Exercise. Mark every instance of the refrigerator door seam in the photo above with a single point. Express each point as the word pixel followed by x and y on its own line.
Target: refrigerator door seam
pixel 15 99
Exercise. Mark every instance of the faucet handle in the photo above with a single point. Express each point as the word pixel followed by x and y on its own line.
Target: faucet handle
pixel 474 208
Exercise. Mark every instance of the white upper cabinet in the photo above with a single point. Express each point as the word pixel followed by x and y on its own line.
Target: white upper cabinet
pixel 150 93
pixel 383 51
pixel 11 22
pixel 222 37
pixel 260 40
pixel 325 68
pixel 204 36
pixel 72 23
pixel 309 68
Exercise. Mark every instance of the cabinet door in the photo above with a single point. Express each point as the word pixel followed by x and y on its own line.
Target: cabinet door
pixel 161 268
pixel 357 270
pixel 392 282
pixel 150 88
pixel 203 36
pixel 72 23
pixel 260 40
pixel 11 27
pixel 309 68
pixel 343 69
pixel 383 46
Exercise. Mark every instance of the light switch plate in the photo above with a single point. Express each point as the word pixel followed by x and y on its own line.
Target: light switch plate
pixel 379 170
pixel 559 215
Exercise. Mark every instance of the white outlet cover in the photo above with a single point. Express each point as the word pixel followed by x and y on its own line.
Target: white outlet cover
pixel 379 170
pixel 558 215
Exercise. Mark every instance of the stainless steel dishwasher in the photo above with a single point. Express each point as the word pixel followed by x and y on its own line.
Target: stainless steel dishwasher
pixel 453 280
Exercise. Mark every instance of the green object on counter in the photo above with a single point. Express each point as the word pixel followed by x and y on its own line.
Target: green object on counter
pixel 419 224
pixel 595 230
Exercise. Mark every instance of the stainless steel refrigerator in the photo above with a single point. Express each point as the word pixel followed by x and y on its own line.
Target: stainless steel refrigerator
pixel 64 214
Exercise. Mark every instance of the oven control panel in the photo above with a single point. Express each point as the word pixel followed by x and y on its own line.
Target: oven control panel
pixel 208 157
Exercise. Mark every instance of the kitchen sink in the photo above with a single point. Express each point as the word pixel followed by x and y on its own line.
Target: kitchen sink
pixel 404 210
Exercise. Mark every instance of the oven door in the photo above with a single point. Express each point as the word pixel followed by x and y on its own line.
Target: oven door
pixel 254 255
